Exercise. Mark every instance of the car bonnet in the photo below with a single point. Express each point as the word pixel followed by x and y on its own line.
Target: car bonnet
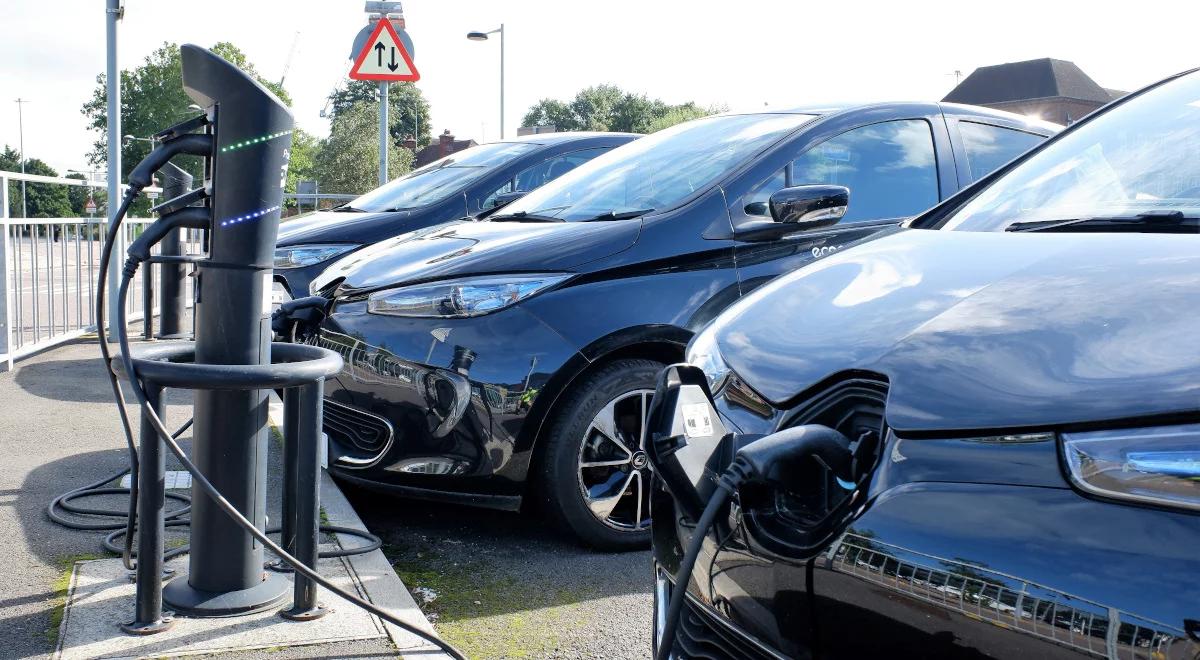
pixel 474 248
pixel 985 330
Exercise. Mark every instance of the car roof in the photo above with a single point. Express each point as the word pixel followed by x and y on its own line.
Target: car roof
pixel 956 109
pixel 550 139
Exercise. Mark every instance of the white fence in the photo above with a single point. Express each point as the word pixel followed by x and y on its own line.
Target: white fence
pixel 48 271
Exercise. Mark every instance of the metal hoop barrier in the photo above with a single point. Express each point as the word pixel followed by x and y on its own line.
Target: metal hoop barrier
pixel 297 369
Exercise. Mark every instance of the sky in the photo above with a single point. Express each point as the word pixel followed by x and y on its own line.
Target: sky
pixel 744 55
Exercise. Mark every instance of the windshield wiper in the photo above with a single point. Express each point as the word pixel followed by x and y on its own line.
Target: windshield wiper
pixel 523 216
pixel 623 215
pixel 1159 221
pixel 346 208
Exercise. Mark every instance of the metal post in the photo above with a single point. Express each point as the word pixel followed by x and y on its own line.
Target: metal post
pixel 152 473
pixel 304 438
pixel 21 129
pixel 148 302
pixel 7 345
pixel 172 294
pixel 501 81
pixel 115 11
pixel 384 137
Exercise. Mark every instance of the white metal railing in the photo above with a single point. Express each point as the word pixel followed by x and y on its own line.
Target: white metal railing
pixel 48 272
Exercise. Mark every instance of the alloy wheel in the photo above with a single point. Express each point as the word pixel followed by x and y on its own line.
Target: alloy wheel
pixel 614 470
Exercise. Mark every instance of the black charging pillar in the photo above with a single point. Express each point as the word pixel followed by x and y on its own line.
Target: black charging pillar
pixel 172 294
pixel 253 136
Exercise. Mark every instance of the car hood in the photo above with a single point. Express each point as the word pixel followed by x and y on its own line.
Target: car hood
pixel 984 330
pixel 346 227
pixel 473 248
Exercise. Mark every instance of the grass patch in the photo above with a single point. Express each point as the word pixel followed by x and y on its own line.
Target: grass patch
pixel 61 584
pixel 484 613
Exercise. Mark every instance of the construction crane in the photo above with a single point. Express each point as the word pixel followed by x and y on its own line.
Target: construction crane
pixel 291 54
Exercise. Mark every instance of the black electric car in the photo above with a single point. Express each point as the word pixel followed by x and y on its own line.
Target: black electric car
pixel 982 432
pixel 487 362
pixel 462 185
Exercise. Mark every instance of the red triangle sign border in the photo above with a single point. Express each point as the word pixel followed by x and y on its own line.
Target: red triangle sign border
pixel 384 77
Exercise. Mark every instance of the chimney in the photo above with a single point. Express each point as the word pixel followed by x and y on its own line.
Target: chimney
pixel 445 144
pixel 410 143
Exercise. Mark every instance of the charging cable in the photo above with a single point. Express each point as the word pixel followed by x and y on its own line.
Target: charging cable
pixel 151 415
pixel 773 460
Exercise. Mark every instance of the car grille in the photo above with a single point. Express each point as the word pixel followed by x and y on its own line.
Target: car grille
pixel 363 435
pixel 701 636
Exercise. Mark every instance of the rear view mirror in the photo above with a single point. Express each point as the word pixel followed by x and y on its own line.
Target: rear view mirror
pixel 504 199
pixel 810 207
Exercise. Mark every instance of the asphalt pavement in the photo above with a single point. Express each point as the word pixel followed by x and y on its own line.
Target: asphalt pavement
pixel 505 585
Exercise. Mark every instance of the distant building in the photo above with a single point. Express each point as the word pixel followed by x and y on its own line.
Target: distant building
pixel 1049 89
pixel 537 130
pixel 440 148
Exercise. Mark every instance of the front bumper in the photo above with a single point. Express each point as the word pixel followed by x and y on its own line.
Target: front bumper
pixel 437 407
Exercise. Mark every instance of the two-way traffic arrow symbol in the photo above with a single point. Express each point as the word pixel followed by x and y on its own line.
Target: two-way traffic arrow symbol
pixel 379 51
pixel 393 66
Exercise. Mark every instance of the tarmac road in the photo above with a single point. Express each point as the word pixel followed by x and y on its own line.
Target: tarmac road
pixel 504 585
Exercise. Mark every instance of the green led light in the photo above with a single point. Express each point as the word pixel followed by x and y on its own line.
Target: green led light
pixel 253 141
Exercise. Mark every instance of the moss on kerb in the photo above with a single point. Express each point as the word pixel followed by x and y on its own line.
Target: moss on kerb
pixel 61 584
pixel 484 614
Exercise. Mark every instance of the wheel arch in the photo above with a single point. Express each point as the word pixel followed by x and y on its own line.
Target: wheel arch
pixel 660 343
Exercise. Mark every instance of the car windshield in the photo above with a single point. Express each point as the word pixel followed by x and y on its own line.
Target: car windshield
pixel 656 172
pixel 1137 160
pixel 442 178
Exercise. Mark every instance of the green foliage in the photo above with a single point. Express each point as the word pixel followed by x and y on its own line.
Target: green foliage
pixel 152 98
pixel 303 163
pixel 45 200
pixel 348 160
pixel 408 111
pixel 609 108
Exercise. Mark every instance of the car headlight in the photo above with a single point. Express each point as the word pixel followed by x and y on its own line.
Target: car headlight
pixel 703 352
pixel 461 298
pixel 1159 465
pixel 299 256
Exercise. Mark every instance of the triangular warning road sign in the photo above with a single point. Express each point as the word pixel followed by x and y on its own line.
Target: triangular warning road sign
pixel 384 58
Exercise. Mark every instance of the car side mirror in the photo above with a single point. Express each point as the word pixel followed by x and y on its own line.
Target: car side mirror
pixel 504 199
pixel 811 206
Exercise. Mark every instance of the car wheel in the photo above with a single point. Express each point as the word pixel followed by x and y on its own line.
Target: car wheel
pixel 596 475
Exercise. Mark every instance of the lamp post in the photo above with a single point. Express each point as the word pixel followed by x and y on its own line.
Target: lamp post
pixel 21 128
pixel 483 36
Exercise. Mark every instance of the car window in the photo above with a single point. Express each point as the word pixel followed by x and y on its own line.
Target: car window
pixel 1137 158
pixel 758 200
pixel 988 147
pixel 442 178
pixel 890 169
pixel 538 175
pixel 661 170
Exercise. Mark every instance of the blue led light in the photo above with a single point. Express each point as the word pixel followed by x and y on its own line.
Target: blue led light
pixel 249 216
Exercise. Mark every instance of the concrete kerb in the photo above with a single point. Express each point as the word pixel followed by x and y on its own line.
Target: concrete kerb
pixel 372 570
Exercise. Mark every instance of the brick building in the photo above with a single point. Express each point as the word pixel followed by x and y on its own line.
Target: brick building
pixel 443 146
pixel 1049 89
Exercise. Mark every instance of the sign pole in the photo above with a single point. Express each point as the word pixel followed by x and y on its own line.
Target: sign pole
pixel 114 11
pixel 383 132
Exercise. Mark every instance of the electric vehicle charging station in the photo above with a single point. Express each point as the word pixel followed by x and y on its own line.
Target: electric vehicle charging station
pixel 244 136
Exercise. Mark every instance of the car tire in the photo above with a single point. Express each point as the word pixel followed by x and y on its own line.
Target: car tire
pixel 575 494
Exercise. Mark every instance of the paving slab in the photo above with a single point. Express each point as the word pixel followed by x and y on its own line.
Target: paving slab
pixel 101 598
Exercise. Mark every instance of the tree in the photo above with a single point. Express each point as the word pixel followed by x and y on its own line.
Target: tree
pixel 609 108
pixel 77 196
pixel 44 200
pixel 302 166
pixel 408 111
pixel 348 160
pixel 152 98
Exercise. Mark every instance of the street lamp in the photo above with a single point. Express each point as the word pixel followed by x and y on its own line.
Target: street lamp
pixel 483 36
pixel 21 127
pixel 131 138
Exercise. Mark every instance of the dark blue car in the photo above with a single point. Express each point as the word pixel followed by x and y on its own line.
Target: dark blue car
pixel 462 185
pixel 511 361
pixel 976 437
